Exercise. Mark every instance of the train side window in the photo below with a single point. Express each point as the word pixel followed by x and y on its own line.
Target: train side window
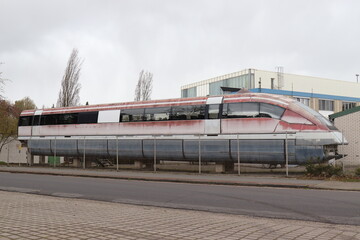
pixel 224 112
pixel 197 112
pixel 157 114
pixel 213 111
pixel 188 112
pixel 88 117
pixel 179 113
pixel 36 120
pixel 243 110
pixel 68 118
pixel 25 121
pixel 50 119
pixel 132 115
pixel 271 111
pixel 124 117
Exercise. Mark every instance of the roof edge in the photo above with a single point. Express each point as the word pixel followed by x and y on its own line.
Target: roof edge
pixel 343 113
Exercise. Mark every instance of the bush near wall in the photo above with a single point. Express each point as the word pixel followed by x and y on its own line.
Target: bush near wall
pixel 322 170
pixel 357 172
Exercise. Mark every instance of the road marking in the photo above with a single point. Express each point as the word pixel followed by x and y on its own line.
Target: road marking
pixel 22 190
pixel 66 195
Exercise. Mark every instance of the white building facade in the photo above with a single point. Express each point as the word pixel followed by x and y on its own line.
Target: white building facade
pixel 324 95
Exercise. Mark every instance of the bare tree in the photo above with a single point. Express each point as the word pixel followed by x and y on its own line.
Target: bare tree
pixel 144 86
pixel 2 83
pixel 8 123
pixel 70 86
pixel 1 86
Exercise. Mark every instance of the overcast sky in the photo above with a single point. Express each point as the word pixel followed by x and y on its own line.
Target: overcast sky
pixel 180 42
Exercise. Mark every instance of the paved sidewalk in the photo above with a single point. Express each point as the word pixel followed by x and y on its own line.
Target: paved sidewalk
pixel 227 179
pixel 28 216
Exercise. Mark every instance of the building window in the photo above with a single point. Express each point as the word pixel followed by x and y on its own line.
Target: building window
pixel 242 81
pixel 326 105
pixel 348 105
pixel 184 93
pixel 188 92
pixel 304 101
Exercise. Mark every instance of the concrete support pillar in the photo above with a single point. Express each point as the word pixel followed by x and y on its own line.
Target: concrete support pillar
pixel 314 104
pixel 224 167
pixel 29 158
pixel 88 162
pixel 337 106
pixel 138 164
pixel 76 162
pixel 41 160
pixel 219 168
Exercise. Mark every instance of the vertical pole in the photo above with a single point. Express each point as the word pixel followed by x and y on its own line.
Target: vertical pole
pixel 154 153
pixel 286 155
pixel 259 84
pixel 199 155
pixel 342 143
pixel 117 153
pixel 55 153
pixel 8 155
pixel 84 157
pixel 238 154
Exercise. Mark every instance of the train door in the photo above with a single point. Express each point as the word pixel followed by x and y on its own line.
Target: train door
pixel 212 121
pixel 35 131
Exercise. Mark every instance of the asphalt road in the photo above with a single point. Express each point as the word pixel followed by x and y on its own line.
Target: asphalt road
pixel 340 207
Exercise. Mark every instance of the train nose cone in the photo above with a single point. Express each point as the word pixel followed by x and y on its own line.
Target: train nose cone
pixel 339 138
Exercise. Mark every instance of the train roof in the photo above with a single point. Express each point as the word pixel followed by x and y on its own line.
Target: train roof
pixel 282 101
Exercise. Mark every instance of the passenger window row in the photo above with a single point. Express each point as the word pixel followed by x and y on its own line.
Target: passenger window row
pixel 187 112
pixel 252 110
pixel 59 119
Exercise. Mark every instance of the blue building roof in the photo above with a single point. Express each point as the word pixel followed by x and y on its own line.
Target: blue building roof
pixel 304 94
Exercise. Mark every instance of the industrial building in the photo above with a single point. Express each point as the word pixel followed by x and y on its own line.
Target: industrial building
pixel 348 122
pixel 326 96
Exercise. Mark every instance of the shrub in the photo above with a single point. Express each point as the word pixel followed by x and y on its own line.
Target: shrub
pixel 3 163
pixel 321 170
pixel 357 172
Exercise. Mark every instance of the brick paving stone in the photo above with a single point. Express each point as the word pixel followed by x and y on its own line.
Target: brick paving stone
pixel 27 216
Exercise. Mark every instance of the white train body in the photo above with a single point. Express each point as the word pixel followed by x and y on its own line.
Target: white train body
pixel 260 122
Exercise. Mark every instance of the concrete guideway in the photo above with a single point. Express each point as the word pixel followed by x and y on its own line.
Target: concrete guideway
pixel 221 179
pixel 28 216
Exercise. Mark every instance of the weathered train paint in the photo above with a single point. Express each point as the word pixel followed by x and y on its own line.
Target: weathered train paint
pixel 261 138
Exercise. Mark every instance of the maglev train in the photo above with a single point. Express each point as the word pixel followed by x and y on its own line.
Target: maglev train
pixel 254 127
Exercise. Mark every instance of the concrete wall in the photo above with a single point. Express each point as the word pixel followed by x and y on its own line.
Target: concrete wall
pixel 350 126
pixel 13 153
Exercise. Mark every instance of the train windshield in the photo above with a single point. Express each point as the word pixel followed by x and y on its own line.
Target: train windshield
pixel 320 117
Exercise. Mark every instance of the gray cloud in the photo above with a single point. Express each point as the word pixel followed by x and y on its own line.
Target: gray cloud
pixel 178 41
